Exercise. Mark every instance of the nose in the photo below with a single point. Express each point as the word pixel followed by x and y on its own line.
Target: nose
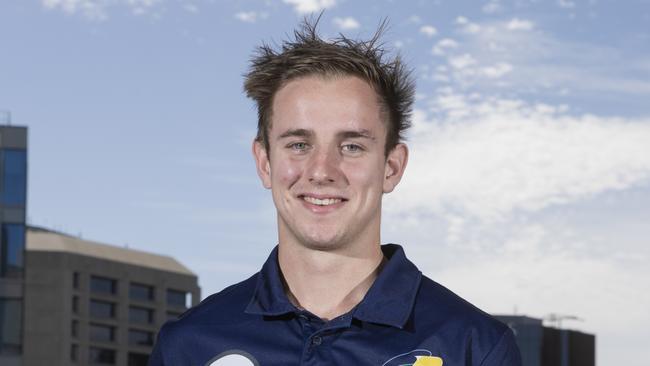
pixel 323 167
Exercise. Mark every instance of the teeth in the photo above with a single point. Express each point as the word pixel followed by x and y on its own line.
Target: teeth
pixel 325 202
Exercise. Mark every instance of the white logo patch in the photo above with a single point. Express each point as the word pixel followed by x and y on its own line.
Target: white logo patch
pixel 233 358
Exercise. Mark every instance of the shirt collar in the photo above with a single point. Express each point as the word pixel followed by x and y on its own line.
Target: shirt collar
pixel 389 300
pixel 391 297
pixel 269 297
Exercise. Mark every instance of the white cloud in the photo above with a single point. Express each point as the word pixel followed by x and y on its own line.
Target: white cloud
pixel 567 4
pixel 347 23
pixel 462 20
pixel 97 10
pixel 544 64
pixel 90 9
pixel 415 19
pixel 250 16
pixel 428 30
pixel 139 7
pixel 520 24
pixel 491 158
pixel 472 28
pixel 467 26
pixel 461 62
pixel 310 6
pixel 497 71
pixel 492 7
pixel 443 45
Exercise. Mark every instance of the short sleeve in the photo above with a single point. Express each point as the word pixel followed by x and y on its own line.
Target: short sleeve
pixel 504 353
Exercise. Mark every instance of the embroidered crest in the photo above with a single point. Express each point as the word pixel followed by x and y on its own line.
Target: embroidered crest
pixel 417 357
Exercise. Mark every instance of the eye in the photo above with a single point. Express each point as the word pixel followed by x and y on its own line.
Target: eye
pixel 352 148
pixel 298 146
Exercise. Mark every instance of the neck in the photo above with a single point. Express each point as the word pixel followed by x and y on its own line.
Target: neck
pixel 328 283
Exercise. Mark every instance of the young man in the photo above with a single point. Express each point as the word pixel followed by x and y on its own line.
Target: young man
pixel 331 115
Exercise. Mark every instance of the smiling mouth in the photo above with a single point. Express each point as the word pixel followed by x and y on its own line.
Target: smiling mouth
pixel 323 201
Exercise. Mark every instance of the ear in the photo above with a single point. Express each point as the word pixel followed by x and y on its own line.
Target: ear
pixel 395 166
pixel 262 163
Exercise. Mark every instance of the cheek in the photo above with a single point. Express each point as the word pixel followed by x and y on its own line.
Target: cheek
pixel 286 173
pixel 368 176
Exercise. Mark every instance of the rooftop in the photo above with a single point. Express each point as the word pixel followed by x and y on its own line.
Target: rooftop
pixel 41 239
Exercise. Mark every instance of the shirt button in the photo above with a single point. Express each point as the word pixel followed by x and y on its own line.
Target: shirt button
pixel 317 340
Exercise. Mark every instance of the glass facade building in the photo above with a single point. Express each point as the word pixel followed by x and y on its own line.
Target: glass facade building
pixel 547 346
pixel 13 202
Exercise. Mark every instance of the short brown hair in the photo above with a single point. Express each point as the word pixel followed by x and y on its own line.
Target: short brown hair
pixel 308 54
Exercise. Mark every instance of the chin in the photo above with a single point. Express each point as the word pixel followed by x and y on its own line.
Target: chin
pixel 323 243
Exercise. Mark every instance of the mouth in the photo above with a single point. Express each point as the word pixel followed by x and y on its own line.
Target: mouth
pixel 322 201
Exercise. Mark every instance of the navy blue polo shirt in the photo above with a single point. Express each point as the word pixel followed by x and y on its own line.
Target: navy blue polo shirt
pixel 404 319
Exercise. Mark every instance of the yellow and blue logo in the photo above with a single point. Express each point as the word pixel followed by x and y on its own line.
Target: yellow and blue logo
pixel 417 357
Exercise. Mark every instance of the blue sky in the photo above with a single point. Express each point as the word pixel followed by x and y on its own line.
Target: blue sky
pixel 529 181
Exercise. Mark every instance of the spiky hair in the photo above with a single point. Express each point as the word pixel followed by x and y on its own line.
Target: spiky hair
pixel 308 54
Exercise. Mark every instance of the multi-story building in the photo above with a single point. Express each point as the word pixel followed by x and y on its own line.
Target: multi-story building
pixel 68 301
pixel 549 346
pixel 88 303
pixel 13 202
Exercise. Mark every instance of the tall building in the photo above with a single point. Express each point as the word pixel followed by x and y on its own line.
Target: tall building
pixel 88 303
pixel 548 346
pixel 13 202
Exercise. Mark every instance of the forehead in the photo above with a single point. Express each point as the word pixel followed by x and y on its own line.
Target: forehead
pixel 327 102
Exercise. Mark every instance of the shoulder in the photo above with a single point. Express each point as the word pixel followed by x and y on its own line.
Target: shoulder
pixel 441 309
pixel 223 307
pixel 180 338
pixel 451 308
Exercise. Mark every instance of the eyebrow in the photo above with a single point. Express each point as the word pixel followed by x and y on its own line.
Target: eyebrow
pixel 302 132
pixel 363 133
pixel 297 132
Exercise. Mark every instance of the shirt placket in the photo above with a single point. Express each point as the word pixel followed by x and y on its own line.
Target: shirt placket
pixel 318 336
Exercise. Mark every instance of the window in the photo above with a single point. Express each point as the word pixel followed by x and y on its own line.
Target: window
pixel 75 280
pixel 177 298
pixel 140 315
pixel 140 292
pixel 11 311
pixel 12 247
pixel 102 333
pixel 102 309
pixel 75 304
pixel 14 177
pixel 140 338
pixel 103 285
pixel 74 329
pixel 101 356
pixel 138 359
pixel 74 352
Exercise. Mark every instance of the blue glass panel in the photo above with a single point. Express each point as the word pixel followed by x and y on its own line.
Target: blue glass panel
pixel 10 326
pixel 14 177
pixel 12 244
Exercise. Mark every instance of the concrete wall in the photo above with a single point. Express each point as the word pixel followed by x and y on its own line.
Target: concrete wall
pixel 48 305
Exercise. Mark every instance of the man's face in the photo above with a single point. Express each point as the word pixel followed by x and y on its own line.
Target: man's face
pixel 325 164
